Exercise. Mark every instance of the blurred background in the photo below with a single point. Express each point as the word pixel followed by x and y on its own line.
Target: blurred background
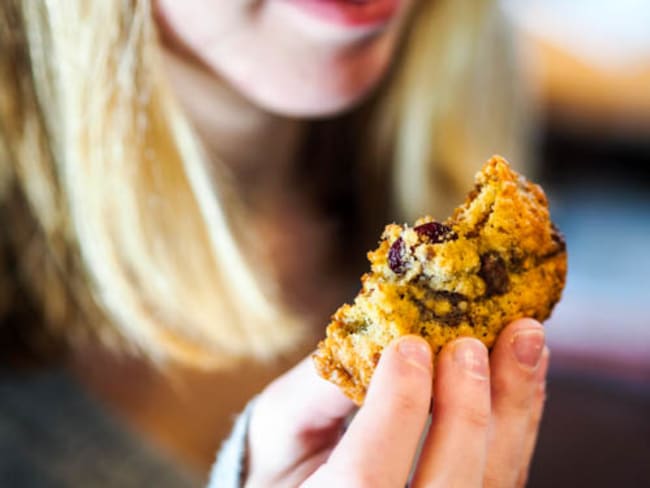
pixel 589 63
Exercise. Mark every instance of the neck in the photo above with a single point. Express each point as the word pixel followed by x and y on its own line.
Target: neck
pixel 258 147
pixel 260 150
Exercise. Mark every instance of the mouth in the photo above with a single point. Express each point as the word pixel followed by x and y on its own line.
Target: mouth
pixel 350 13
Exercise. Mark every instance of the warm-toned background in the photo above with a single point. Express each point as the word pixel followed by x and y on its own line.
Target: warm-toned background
pixel 588 64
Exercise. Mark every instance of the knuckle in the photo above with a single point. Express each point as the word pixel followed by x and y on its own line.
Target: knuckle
pixel 515 406
pixel 410 389
pixel 405 401
pixel 512 396
pixel 505 382
pixel 476 416
pixel 407 371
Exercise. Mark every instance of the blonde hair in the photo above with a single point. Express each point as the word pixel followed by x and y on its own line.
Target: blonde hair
pixel 133 228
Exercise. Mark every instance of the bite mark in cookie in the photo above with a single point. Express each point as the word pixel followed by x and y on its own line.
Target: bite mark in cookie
pixel 497 258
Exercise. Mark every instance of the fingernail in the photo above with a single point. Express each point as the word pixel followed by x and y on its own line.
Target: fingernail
pixel 415 351
pixel 528 345
pixel 471 355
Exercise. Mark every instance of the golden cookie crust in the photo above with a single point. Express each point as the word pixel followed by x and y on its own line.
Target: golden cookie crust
pixel 497 258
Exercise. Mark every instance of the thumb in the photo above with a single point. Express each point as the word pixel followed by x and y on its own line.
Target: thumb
pixel 298 409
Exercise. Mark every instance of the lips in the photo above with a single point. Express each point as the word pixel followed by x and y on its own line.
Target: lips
pixel 353 13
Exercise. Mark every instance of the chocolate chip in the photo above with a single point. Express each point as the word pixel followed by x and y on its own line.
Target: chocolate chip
pixel 453 297
pixel 396 256
pixel 436 232
pixel 494 273
pixel 452 318
pixel 517 261
pixel 362 328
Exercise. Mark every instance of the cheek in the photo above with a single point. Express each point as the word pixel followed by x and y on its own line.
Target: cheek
pixel 202 24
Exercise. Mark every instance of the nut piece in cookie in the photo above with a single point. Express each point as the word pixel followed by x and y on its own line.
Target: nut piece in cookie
pixel 497 258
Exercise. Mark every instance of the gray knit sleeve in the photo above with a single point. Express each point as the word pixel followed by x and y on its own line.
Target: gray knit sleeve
pixel 229 469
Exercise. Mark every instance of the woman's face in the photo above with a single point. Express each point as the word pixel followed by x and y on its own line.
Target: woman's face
pixel 292 57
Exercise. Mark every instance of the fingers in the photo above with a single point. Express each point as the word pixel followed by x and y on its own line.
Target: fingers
pixel 454 452
pixel 536 416
pixel 517 373
pixel 307 399
pixel 301 413
pixel 380 444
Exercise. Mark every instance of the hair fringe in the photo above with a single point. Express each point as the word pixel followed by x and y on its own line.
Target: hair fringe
pixel 139 231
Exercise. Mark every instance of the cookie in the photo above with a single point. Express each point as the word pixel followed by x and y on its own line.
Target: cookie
pixel 497 258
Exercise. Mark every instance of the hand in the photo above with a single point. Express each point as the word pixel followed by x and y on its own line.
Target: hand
pixel 485 418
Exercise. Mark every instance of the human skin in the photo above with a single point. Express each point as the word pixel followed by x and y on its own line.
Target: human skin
pixel 283 57
pixel 486 413
pixel 248 73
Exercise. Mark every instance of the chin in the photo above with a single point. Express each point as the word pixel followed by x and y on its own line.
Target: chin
pixel 326 89
pixel 311 101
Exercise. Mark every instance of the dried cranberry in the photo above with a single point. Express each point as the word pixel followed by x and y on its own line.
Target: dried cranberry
pixel 436 232
pixel 396 256
pixel 495 274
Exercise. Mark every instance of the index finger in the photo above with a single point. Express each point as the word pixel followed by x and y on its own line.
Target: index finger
pixel 302 414
pixel 305 400
pixel 455 449
pixel 380 444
